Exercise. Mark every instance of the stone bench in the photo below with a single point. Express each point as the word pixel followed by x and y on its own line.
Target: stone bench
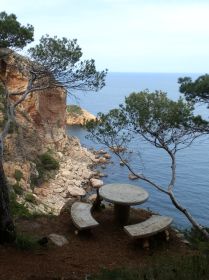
pixel 81 216
pixel 151 226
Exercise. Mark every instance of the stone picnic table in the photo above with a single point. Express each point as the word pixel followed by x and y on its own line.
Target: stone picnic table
pixel 123 196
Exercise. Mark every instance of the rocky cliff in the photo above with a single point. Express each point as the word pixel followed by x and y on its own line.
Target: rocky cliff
pixel 44 110
pixel 40 129
pixel 77 115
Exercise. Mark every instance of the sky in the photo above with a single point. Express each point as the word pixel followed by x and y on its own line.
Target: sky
pixel 126 35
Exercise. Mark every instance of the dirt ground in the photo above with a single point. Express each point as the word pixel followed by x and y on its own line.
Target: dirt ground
pixel 106 246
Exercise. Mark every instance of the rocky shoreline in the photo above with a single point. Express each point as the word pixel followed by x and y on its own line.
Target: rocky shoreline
pixel 75 180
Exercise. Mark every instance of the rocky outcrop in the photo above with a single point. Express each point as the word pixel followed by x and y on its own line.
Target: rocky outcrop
pixel 79 119
pixel 41 120
pixel 43 111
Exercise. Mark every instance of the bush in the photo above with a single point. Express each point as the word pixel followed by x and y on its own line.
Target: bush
pixel 26 242
pixel 30 198
pixel 44 163
pixel 74 110
pixel 17 188
pixel 17 209
pixel 18 175
pixel 48 162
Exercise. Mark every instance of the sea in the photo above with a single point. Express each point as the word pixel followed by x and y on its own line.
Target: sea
pixel 192 182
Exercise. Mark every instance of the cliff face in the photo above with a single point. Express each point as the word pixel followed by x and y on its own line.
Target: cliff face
pixel 41 120
pixel 44 110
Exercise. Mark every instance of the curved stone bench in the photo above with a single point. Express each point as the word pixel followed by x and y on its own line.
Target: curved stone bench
pixel 81 216
pixel 151 226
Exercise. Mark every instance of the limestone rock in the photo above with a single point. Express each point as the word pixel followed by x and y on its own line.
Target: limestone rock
pixel 44 111
pixel 58 190
pixel 107 156
pixel 57 239
pixel 102 160
pixel 96 183
pixel 132 177
pixel 76 191
pixel 101 152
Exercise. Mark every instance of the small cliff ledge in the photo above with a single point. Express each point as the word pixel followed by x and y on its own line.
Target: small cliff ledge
pixel 77 116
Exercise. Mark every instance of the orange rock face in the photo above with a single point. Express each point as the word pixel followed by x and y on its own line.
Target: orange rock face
pixel 43 110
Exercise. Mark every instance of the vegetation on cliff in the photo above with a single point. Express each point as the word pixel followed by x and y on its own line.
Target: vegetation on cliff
pixel 77 115
pixel 74 110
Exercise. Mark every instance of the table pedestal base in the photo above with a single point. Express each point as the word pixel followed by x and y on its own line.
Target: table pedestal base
pixel 121 213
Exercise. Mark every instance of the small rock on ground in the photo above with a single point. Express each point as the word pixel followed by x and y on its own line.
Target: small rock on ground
pixel 57 239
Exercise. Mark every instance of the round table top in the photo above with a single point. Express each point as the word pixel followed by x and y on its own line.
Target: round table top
pixel 124 194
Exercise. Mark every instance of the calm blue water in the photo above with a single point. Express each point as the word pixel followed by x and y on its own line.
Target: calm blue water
pixel 192 184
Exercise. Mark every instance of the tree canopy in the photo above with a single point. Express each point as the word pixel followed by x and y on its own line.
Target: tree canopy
pixel 12 33
pixel 62 58
pixel 157 119
pixel 196 91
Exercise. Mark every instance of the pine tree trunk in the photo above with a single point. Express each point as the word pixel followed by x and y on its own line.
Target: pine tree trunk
pixel 7 229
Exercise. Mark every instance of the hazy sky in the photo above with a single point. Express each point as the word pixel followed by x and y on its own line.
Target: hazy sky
pixel 126 35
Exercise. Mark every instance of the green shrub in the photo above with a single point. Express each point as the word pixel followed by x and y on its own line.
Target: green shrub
pixel 30 198
pixel 17 209
pixel 44 163
pixel 17 188
pixel 26 242
pixel 48 162
pixel 74 110
pixel 18 175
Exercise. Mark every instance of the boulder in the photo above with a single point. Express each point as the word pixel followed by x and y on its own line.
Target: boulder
pixel 101 152
pixel 132 177
pixel 76 191
pixel 57 239
pixel 58 190
pixel 96 183
pixel 107 156
pixel 102 160
pixel 67 173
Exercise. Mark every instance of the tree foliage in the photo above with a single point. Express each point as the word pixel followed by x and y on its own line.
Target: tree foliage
pixel 196 91
pixel 153 117
pixel 62 58
pixel 12 33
